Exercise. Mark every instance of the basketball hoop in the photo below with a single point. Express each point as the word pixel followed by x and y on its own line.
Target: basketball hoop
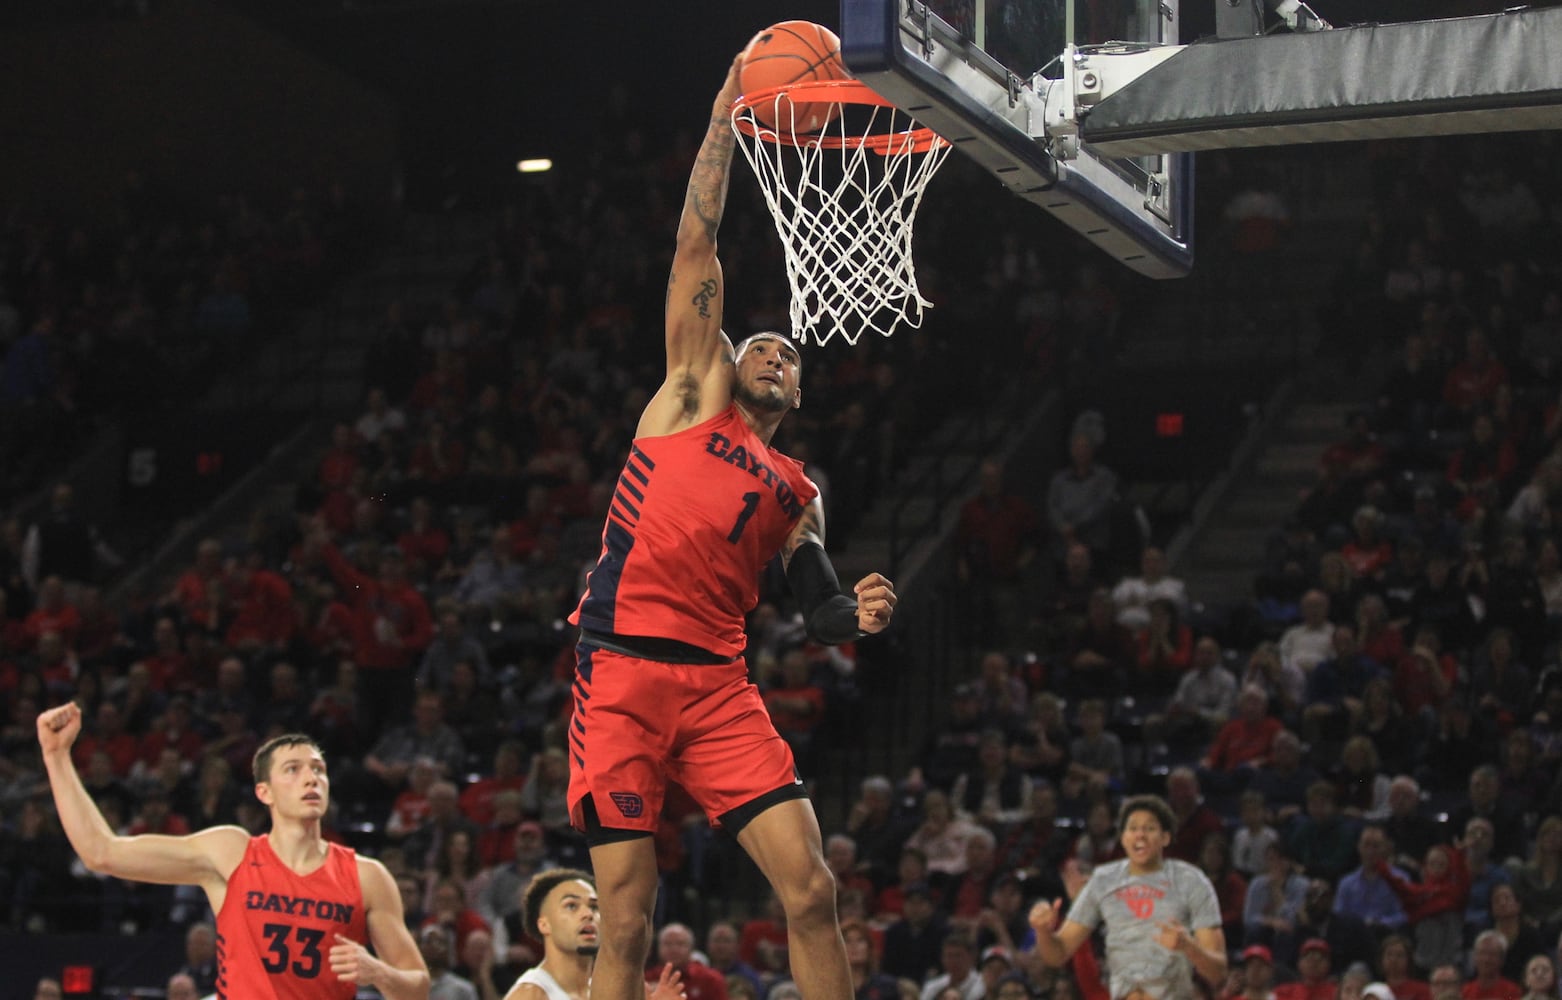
pixel 844 200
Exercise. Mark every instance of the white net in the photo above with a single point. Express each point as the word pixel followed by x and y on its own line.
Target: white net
pixel 844 199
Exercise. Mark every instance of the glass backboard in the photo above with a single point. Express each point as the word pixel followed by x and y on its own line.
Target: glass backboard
pixel 980 73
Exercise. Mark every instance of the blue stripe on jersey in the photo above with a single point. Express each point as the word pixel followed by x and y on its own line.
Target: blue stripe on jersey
pixel 633 490
pixel 623 501
pixel 583 667
pixel 636 455
pixel 600 608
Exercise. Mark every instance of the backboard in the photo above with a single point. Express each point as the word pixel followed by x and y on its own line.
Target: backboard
pixel 980 73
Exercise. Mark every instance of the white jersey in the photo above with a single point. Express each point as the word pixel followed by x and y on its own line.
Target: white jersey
pixel 1132 907
pixel 540 978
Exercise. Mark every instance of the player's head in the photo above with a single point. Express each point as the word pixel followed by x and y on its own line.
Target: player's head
pixel 181 987
pixel 1145 825
pixel 266 753
pixel 767 373
pixel 560 907
pixel 290 770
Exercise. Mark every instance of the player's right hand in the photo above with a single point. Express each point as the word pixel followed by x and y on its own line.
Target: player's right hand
pixel 59 727
pixel 1044 916
pixel 730 89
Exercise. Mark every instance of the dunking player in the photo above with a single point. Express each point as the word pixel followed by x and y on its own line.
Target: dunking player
pixel 559 908
pixel 661 690
pixel 1162 918
pixel 293 911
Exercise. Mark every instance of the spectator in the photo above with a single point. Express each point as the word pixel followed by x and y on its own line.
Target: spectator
pixel 1002 694
pixel 958 961
pixel 1254 835
pixel 1202 703
pixel 911 941
pixel 1367 892
pixel 1099 654
pixel 1230 885
pixel 1394 964
pixel 1363 786
pixel 499 901
pixel 1335 689
pixel 200 957
pixel 721 951
pixel 1310 641
pixel 1487 981
pixel 1133 594
pixel 436 943
pixel 1285 782
pixel 879 832
pixel 426 735
pixel 1434 906
pixel 425 844
pixel 1409 829
pixel 1522 936
pixel 1274 902
pixel 391 628
pixel 997 543
pixel 1096 755
pixel 1080 498
pixel 452 644
pixel 65 544
pixel 452 915
pixel 1540 978
pixel 1195 819
pixel 1166 649
pixel 941 836
pixel 1538 881
pixel 1243 743
pixel 1257 974
pixel 1323 841
pixel 507 774
pixel 1446 982
pixel 968 894
pixel 1485 874
pixel 1484 800
pixel 1316 982
pixel 675 947
pixel 1283 686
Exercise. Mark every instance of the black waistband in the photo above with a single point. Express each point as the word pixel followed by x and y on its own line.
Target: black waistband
pixel 655 648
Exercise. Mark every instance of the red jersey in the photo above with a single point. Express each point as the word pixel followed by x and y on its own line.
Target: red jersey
pixel 695 517
pixel 276 927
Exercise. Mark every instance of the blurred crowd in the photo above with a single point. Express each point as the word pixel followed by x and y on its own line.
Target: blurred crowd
pixel 1363 758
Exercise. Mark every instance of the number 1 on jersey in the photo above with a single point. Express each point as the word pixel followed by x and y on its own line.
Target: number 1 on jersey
pixel 750 505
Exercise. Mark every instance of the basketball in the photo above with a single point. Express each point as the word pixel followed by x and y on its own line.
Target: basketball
pixel 792 52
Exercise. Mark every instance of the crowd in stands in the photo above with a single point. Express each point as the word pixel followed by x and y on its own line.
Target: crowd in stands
pixel 1363 759
pixel 138 308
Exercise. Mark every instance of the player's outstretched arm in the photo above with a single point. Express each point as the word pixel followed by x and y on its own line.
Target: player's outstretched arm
pixel 698 353
pixel 396 968
pixel 829 615
pixel 204 859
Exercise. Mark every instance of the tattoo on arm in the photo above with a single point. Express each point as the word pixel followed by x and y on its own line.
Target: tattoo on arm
pixel 707 195
pixel 703 297
pixel 810 528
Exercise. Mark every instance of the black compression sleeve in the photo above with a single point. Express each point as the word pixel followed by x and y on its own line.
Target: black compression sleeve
pixel 829 615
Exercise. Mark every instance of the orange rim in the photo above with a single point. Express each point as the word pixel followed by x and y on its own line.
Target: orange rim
pixel 916 140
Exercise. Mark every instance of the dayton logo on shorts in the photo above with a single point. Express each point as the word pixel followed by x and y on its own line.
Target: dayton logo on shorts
pixel 1140 900
pixel 628 803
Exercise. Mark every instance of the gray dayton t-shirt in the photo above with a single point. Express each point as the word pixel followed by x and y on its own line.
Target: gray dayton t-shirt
pixel 1132 907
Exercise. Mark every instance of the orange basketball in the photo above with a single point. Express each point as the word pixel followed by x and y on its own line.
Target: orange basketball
pixel 792 52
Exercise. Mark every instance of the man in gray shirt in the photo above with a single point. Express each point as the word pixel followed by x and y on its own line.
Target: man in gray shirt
pixel 1161 916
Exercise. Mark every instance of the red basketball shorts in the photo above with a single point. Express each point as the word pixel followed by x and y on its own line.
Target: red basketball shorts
pixel 639 724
